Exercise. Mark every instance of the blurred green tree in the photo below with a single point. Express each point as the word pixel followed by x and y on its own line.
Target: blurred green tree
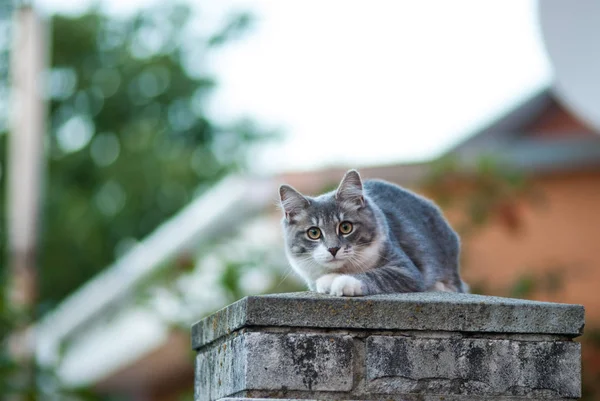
pixel 129 140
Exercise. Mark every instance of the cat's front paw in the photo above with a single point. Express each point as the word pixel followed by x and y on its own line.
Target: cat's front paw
pixel 346 286
pixel 323 283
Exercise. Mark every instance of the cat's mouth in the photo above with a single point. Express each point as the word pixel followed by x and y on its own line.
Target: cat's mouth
pixel 334 261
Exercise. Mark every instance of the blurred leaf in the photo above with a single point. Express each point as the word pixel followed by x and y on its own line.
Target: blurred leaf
pixel 237 25
pixel 524 287
pixel 332 186
pixel 554 280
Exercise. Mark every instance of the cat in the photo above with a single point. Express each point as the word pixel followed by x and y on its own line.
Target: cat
pixel 369 239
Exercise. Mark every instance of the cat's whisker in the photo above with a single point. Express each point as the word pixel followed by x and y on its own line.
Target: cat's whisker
pixel 384 258
pixel 356 263
pixel 380 253
pixel 358 267
pixel 289 271
pixel 305 258
pixel 377 227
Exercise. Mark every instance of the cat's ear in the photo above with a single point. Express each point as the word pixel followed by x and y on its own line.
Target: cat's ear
pixel 292 201
pixel 350 190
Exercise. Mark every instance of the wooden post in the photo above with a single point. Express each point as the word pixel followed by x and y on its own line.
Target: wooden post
pixel 25 155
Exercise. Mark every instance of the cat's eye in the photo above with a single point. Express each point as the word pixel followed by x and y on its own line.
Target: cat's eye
pixel 345 227
pixel 313 233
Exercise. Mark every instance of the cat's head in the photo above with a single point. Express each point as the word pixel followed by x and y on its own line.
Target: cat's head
pixel 334 232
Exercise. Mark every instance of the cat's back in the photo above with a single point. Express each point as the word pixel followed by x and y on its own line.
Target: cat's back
pixel 392 198
pixel 417 226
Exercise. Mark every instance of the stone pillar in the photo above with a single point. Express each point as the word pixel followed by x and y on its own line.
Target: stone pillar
pixel 421 346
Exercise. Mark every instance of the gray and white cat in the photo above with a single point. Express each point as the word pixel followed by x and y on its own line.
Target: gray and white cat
pixel 369 239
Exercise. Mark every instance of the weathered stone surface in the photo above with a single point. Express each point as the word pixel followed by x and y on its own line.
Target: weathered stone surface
pixel 436 311
pixel 473 367
pixel 220 370
pixel 409 347
pixel 268 361
pixel 312 362
pixel 408 397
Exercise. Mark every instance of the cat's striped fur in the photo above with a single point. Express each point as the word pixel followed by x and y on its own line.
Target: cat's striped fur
pixel 398 241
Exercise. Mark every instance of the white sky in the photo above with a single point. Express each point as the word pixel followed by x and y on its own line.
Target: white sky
pixel 367 82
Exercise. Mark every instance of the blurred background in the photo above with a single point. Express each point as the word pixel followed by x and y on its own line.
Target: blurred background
pixel 142 143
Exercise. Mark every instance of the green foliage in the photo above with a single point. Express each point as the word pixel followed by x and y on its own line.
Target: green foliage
pixel 129 143
pixel 491 190
pixel 525 286
pixel 547 281
pixel 331 186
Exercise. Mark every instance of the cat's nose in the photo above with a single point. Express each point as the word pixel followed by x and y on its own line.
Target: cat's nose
pixel 333 251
